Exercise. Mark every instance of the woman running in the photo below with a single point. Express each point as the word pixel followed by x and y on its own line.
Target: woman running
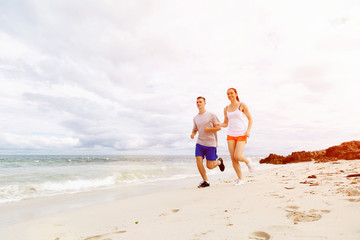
pixel 237 117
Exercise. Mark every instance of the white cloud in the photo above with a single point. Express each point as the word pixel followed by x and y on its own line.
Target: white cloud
pixel 122 77
pixel 38 141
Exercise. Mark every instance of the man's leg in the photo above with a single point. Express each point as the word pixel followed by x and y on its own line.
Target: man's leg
pixel 212 160
pixel 212 164
pixel 201 168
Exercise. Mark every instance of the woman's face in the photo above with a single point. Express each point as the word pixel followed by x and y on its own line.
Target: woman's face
pixel 231 94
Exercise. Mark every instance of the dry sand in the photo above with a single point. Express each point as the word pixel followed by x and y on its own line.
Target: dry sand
pixel 297 201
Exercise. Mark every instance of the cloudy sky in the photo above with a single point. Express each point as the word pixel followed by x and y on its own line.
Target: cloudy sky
pixel 122 77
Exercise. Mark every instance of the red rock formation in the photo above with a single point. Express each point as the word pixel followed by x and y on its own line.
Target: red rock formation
pixel 345 151
pixel 273 159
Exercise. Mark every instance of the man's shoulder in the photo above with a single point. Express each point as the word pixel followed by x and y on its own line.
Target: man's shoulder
pixel 211 114
pixel 205 114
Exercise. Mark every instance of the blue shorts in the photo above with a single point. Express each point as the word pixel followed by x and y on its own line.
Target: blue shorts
pixel 209 152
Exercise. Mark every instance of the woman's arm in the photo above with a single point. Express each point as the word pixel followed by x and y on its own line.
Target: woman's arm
pixel 248 115
pixel 226 120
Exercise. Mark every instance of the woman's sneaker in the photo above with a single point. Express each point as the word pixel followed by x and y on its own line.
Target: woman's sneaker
pixel 204 184
pixel 239 182
pixel 221 166
pixel 250 167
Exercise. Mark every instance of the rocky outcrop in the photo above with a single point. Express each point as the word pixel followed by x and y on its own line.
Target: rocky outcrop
pixel 345 151
pixel 273 159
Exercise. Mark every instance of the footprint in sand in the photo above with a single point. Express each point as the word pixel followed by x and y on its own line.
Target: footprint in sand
pixel 291 208
pixel 304 216
pixel 173 211
pixel 259 235
pixel 350 191
pixel 276 195
pixel 102 235
pixel 353 200
pixel 200 235
pixel 353 191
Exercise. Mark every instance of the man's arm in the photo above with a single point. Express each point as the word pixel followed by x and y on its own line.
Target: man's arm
pixel 213 129
pixel 193 134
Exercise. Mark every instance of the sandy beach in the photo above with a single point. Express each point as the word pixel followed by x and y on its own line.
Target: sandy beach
pixel 296 201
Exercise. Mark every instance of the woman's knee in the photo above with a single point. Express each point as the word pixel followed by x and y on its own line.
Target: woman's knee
pixel 239 158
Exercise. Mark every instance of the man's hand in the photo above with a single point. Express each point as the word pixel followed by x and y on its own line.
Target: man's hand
pixel 213 129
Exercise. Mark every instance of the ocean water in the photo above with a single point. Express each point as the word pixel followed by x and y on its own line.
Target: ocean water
pixel 28 177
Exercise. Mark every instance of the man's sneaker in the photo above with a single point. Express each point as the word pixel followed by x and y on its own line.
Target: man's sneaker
pixel 250 166
pixel 221 166
pixel 204 184
pixel 239 182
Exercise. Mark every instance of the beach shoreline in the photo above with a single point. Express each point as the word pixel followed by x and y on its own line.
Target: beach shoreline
pixel 27 209
pixel 297 201
pixel 27 188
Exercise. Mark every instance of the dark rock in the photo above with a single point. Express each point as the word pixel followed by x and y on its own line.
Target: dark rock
pixel 353 175
pixel 273 159
pixel 344 151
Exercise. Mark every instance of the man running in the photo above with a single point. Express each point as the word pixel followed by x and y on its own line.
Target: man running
pixel 206 124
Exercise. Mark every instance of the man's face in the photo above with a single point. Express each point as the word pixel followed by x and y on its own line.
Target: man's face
pixel 200 103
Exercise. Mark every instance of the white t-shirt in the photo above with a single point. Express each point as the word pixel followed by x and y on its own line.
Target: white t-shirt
pixel 207 119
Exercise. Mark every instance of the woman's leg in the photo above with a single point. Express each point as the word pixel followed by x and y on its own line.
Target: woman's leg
pixel 239 150
pixel 232 145
pixel 239 156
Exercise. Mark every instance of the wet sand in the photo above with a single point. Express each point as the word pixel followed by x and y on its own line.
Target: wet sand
pixel 297 201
